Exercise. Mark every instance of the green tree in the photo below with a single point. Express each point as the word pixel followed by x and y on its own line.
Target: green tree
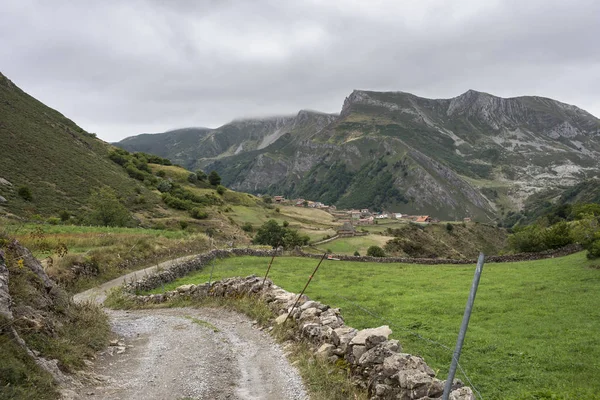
pixel 449 227
pixel 192 178
pixel 198 213
pixel 375 251
pixel 201 175
pixel 64 215
pixel 214 178
pixel 583 231
pixel 527 239
pixel 25 193
pixel 221 189
pixel 106 209
pixel 558 235
pixel 270 233
pixel 594 249
pixel 267 199
pixel 273 234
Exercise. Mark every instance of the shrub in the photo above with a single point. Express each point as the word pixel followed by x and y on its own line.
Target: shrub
pixel 161 173
pixel 375 251
pixel 594 250
pixel 106 209
pixel 278 210
pixel 198 213
pixel 201 175
pixel 175 202
pixel 25 193
pixel 221 189
pixel 286 224
pixel 528 239
pixel 164 186
pixel 214 178
pixel 558 235
pixel 64 215
pixel 356 254
pixel 247 227
pixel 53 220
pixel 449 227
pixel 183 224
pixel 267 199
pixel 192 178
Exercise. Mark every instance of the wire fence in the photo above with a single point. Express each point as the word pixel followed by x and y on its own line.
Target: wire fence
pixel 219 269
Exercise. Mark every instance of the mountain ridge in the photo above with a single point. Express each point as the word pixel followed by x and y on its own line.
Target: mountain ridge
pixel 475 154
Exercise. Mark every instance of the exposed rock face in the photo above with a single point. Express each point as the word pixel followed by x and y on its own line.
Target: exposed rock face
pixel 433 152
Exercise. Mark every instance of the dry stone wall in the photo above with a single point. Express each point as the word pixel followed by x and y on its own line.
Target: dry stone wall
pixel 177 271
pixel 377 363
pixel 570 249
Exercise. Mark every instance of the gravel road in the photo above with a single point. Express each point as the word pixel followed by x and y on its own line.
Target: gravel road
pixel 188 353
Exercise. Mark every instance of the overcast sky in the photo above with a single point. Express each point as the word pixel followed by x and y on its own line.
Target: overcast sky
pixel 120 68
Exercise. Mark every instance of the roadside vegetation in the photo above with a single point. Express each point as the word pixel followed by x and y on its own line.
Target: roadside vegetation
pixel 563 225
pixel 49 323
pixel 80 257
pixel 517 331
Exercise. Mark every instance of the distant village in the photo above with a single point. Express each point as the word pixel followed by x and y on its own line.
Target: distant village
pixel 358 217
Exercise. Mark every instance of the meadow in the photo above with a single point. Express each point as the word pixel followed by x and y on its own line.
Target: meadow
pixel 532 335
pixel 349 245
pixel 99 254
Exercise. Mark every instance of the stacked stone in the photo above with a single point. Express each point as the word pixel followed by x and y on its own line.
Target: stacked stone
pixel 182 269
pixel 377 362
pixel 563 251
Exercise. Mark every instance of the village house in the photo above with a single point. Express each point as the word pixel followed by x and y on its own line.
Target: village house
pixel 346 230
pixel 398 215
pixel 366 221
pixel 382 216
pixel 299 203
pixel 467 219
pixel 424 219
pixel 278 199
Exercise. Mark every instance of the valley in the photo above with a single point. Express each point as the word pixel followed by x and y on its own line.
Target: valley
pixel 393 175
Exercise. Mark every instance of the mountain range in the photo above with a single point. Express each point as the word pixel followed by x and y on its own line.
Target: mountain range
pixel 474 155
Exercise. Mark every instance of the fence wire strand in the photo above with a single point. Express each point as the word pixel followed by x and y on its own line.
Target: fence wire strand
pixel 369 312
pixel 414 333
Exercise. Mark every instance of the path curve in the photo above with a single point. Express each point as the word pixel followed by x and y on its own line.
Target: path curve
pixel 187 353
pixel 98 293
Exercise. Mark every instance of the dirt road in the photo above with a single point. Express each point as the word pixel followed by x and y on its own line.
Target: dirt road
pixel 98 294
pixel 185 353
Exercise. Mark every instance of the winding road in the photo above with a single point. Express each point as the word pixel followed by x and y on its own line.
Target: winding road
pixel 187 353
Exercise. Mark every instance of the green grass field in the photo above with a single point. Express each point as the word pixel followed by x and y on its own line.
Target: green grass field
pixel 533 333
pixel 348 245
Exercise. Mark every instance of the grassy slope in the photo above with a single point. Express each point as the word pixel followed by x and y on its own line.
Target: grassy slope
pixel 46 151
pixel 50 323
pixel 532 332
pixel 433 240
pixel 351 244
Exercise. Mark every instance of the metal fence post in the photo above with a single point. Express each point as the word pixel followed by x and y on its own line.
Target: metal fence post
pixel 463 328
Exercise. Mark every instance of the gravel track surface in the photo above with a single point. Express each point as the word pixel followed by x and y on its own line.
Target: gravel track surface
pixel 187 353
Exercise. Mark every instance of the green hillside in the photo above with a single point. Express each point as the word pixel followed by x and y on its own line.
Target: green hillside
pixel 57 160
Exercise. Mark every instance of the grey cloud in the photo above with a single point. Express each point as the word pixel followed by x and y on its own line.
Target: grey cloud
pixel 122 68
